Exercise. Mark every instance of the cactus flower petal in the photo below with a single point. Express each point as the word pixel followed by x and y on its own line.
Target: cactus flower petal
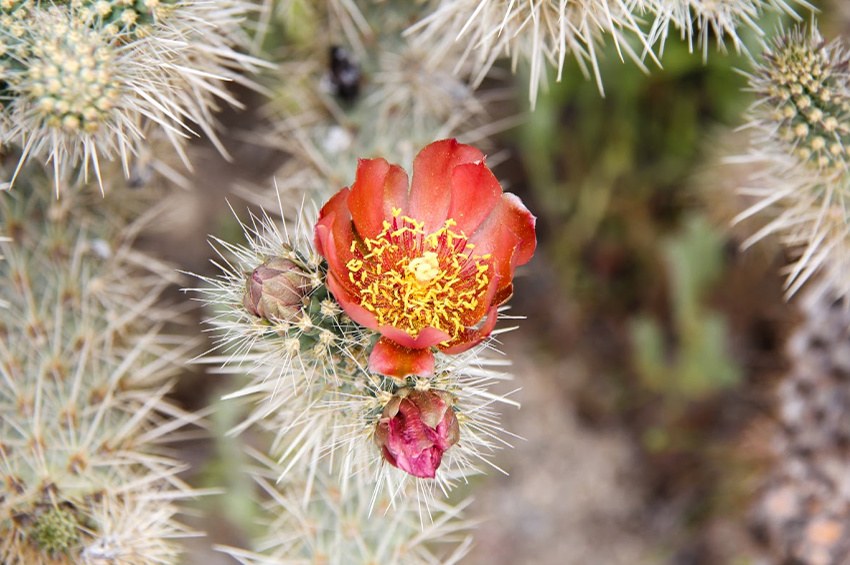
pixel 426 266
pixel 394 360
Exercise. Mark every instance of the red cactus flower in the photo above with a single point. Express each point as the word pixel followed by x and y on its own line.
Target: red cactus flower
pixel 414 430
pixel 426 265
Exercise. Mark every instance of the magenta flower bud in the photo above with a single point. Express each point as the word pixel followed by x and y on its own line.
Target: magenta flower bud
pixel 414 430
pixel 276 289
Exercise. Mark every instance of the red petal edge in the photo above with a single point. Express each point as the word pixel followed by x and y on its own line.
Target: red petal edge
pixel 523 223
pixel 508 235
pixel 431 186
pixel 475 193
pixel 378 188
pixel 349 303
pixel 390 359
pixel 332 234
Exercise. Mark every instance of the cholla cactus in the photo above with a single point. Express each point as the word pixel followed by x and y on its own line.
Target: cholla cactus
pixel 85 82
pixel 355 397
pixel 800 142
pixel 344 526
pixel 311 386
pixel 544 32
pixel 802 511
pixel 698 20
pixel 85 366
pixel 315 323
pixel 547 32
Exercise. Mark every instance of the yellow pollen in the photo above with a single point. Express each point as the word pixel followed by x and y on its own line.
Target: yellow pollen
pixel 412 280
pixel 424 268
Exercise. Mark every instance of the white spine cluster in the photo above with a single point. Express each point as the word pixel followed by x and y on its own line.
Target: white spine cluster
pixel 800 145
pixel 547 33
pixel 88 81
pixel 541 33
pixel 343 526
pixel 700 20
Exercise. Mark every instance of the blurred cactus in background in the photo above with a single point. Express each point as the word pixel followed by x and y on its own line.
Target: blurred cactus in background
pixel 802 511
pixel 703 364
pixel 336 101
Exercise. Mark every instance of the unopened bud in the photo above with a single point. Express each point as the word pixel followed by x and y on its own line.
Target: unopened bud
pixel 276 289
pixel 414 430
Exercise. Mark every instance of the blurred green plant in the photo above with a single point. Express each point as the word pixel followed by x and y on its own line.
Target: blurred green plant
pixel 607 174
pixel 226 470
pixel 700 363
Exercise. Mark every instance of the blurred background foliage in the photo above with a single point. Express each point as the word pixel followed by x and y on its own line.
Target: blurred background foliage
pixel 682 329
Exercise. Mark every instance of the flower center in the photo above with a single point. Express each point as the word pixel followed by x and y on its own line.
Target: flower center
pixel 424 268
pixel 412 280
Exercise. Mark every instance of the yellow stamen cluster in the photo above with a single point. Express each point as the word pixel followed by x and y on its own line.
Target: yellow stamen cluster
pixel 412 280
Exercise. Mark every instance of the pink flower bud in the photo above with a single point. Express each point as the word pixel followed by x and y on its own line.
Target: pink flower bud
pixel 414 430
pixel 276 289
